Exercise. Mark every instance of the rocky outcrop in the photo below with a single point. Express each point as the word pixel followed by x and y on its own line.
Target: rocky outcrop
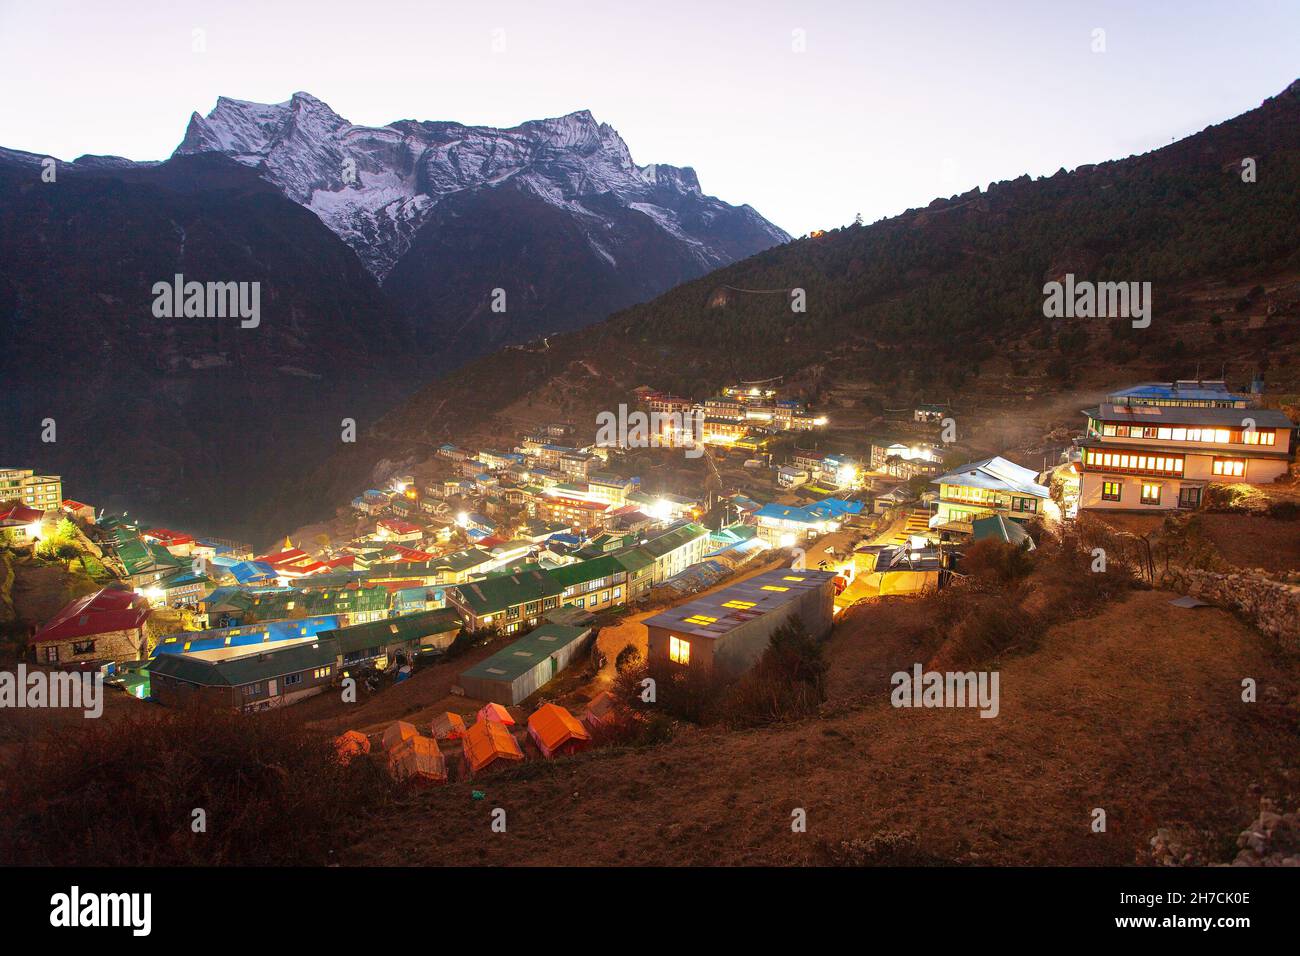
pixel 1273 839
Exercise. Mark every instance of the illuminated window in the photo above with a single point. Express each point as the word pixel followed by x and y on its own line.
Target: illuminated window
pixel 701 619
pixel 739 605
pixel 790 577
pixel 773 587
pixel 679 651
pixel 1150 493
pixel 1230 467
pixel 1259 438
pixel 1110 490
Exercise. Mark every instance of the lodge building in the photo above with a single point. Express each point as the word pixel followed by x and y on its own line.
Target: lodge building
pixel 1157 446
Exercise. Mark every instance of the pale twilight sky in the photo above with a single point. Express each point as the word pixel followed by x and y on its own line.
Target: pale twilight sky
pixel 890 105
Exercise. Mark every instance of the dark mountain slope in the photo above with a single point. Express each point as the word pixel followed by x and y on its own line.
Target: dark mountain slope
pixel 554 280
pixel 189 419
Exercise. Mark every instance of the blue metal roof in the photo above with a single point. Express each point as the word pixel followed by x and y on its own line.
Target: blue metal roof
pixel 268 632
pixel 249 572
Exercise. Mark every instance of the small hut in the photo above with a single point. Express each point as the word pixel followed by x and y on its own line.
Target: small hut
pixel 398 731
pixel 417 760
pixel 497 714
pixel 601 711
pixel 447 726
pixel 351 745
pixel 556 731
pixel 488 742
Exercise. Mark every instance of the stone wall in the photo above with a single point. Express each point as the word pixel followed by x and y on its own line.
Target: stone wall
pixel 1272 606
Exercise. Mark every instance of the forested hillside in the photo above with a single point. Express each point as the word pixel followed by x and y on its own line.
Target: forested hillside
pixel 949 299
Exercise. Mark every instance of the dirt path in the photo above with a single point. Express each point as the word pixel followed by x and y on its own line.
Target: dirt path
pixel 1136 710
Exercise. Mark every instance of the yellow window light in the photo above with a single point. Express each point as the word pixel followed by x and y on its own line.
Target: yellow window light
pixel 701 619
pixel 679 651
pixel 739 605
pixel 791 577
pixel 774 587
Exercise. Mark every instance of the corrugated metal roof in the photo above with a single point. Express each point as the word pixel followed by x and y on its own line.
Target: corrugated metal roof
pixel 995 474
pixel 711 616
pixel 522 655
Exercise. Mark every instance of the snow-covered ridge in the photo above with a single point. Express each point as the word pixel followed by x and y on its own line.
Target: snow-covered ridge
pixel 376 186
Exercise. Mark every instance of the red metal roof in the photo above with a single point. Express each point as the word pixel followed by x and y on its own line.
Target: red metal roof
pixel 111 609
pixel 166 536
pixel 410 555
pixel 292 563
pixel 399 526
pixel 21 514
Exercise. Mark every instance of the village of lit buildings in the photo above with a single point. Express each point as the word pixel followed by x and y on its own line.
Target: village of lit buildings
pixel 537 546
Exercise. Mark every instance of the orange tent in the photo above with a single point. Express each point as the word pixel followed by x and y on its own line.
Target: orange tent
pixel 555 730
pixel 398 731
pixel 497 713
pixel 417 760
pixel 488 741
pixel 351 745
pixel 601 709
pixel 448 726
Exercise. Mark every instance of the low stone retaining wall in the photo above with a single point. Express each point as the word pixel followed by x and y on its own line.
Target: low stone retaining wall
pixel 1270 605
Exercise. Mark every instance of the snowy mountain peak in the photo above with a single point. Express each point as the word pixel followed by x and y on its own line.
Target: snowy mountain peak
pixel 377 186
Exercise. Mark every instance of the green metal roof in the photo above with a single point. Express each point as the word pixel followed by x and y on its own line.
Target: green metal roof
pixel 183 576
pixel 405 629
pixel 140 557
pixel 274 605
pixel 522 655
pixel 496 594
pixel 672 540
pixel 462 560
pixel 584 571
pixel 635 559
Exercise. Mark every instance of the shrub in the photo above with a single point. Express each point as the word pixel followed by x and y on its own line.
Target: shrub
pixel 1220 497
pixel 122 792
pixel 883 848
pixel 981 622
pixel 787 683
pixel 996 562
pixel 1285 510
pixel 629 656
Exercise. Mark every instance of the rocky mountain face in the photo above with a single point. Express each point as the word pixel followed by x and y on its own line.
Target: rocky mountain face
pixel 376 252
pixel 554 213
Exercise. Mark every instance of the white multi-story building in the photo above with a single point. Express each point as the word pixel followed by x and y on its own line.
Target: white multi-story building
pixel 1157 446
pixel 27 488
